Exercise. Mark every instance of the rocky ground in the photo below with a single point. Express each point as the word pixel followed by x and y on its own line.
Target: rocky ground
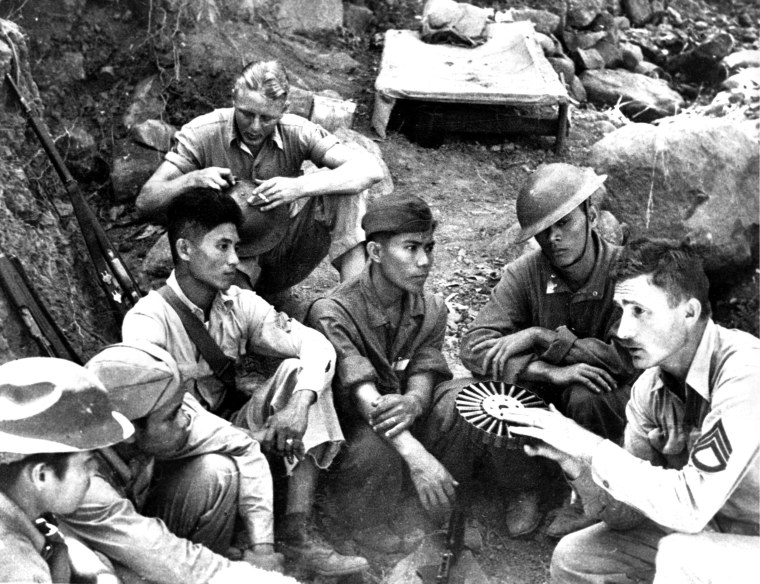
pixel 87 68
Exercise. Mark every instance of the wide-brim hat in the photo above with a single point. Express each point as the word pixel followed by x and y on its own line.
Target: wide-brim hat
pixel 50 405
pixel 552 192
pixel 261 230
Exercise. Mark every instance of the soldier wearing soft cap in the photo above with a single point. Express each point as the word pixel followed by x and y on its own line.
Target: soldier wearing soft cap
pixel 163 507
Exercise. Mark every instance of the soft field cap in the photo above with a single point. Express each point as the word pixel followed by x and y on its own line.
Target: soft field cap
pixel 552 192
pixel 398 214
pixel 139 377
pixel 50 405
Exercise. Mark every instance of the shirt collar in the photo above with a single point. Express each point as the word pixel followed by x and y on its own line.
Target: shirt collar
pixel 232 134
pixel 414 303
pixel 594 286
pixel 14 517
pixel 698 375
pixel 223 301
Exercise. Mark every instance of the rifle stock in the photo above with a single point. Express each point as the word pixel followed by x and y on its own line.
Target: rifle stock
pixel 113 276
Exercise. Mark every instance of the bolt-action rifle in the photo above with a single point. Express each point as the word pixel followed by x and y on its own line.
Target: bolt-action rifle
pixel 113 276
pixel 44 330
pixel 32 312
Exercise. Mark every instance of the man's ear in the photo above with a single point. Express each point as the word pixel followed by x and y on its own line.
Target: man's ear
pixel 374 250
pixel 39 475
pixel 692 310
pixel 592 213
pixel 183 248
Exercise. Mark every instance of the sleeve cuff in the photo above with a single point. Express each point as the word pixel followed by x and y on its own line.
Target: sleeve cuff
pixel 321 148
pixel 355 369
pixel 559 347
pixel 183 164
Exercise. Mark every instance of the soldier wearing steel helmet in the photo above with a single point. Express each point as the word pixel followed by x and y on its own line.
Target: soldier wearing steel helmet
pixel 53 414
pixel 549 324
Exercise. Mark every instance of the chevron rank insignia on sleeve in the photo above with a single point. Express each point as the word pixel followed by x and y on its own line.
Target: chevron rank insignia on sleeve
pixel 713 449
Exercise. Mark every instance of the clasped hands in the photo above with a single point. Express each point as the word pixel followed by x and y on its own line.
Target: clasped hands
pixel 393 413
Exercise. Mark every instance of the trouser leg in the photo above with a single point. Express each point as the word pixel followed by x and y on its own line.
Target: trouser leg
pixel 600 555
pixel 197 499
pixel 603 413
pixel 367 484
pixel 305 245
pixel 444 438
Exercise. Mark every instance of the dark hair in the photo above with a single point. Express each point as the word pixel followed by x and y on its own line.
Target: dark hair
pixel 58 461
pixel 196 212
pixel 267 77
pixel 674 267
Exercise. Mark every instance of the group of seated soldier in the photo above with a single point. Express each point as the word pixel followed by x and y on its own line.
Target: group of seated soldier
pixel 181 486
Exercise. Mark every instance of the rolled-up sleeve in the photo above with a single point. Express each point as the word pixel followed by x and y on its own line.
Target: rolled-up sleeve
pixel 506 312
pixel 353 367
pixel 278 335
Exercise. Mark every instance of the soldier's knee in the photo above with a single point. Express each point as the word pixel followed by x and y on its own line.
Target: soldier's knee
pixel 568 558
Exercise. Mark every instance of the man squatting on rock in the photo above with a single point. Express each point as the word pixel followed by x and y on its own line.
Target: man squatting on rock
pixel 163 506
pixel 398 418
pixel 258 140
pixel 53 414
pixel 550 326
pixel 680 500
pixel 292 413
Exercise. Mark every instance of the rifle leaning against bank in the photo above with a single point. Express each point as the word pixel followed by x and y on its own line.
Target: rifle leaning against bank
pixel 118 284
pixel 45 331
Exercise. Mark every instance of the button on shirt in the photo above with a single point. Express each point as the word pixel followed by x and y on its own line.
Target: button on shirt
pixel 531 293
pixel 708 443
pixel 368 346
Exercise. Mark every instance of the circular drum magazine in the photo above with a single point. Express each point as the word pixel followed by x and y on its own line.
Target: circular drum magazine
pixel 480 405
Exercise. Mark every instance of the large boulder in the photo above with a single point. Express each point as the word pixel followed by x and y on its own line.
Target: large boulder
pixel 310 15
pixel 692 177
pixel 581 13
pixel 132 166
pixel 641 98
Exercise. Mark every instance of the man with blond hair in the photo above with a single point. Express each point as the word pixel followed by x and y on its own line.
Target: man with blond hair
pixel 258 140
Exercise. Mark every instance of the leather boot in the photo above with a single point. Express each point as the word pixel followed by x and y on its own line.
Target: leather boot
pixel 523 515
pixel 300 542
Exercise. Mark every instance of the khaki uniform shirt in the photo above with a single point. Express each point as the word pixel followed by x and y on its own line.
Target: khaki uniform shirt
pixel 21 546
pixel 695 462
pixel 368 346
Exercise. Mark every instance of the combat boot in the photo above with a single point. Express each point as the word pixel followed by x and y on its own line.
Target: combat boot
pixel 300 542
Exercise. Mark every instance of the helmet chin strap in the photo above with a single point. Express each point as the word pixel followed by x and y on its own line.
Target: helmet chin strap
pixel 582 256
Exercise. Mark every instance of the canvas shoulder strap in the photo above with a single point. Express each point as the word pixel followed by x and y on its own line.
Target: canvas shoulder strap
pixel 222 365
